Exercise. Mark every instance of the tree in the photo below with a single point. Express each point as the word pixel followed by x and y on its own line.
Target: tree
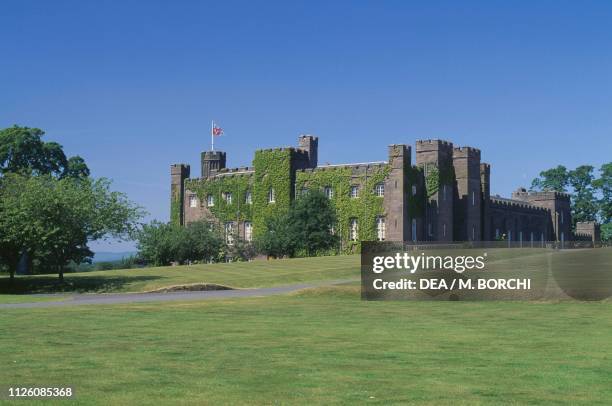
pixel 307 227
pixel 312 218
pixel 54 219
pixel 604 186
pixel 23 151
pixel 164 243
pixel 584 204
pixel 606 232
pixel 555 179
pixel 278 240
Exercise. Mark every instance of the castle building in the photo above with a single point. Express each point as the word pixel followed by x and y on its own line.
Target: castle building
pixel 443 196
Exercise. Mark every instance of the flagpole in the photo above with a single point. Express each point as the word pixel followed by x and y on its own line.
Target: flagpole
pixel 212 135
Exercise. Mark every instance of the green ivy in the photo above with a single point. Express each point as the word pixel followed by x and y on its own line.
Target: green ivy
pixel 238 185
pixel 175 207
pixel 436 177
pixel 365 208
pixel 272 170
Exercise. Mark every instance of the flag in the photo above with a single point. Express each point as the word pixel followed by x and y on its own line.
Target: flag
pixel 217 131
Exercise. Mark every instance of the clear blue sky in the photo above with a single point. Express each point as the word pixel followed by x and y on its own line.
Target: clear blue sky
pixel 132 85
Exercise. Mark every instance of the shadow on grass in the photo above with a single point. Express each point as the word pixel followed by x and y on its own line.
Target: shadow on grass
pixel 52 284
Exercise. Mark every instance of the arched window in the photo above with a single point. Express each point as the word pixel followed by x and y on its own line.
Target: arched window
pixel 210 200
pixel 353 230
pixel 380 189
pixel 271 196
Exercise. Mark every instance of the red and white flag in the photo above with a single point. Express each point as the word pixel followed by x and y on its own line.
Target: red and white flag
pixel 217 131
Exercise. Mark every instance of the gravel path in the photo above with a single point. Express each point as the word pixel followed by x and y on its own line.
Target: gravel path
pixel 117 298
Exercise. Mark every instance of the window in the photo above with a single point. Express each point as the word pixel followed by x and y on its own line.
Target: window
pixel 380 189
pixel 248 199
pixel 473 233
pixel 429 231
pixel 329 192
pixel 248 231
pixel 497 233
pixel 210 200
pixel 229 233
pixel 444 192
pixel 271 196
pixel 521 236
pixel 193 201
pixel 380 228
pixel 332 230
pixel 354 230
pixel 414 230
pixel 531 237
pixel 414 190
pixel 444 229
pixel 561 217
pixel 354 192
pixel 473 198
pixel 228 197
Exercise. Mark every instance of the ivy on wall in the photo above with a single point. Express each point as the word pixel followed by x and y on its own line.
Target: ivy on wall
pixel 436 177
pixel 175 208
pixel 365 208
pixel 272 171
pixel 238 185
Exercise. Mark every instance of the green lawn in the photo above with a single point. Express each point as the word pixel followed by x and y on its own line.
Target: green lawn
pixel 258 273
pixel 319 346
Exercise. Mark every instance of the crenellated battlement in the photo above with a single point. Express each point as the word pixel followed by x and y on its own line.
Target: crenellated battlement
pixel 502 201
pixel 466 152
pixel 429 145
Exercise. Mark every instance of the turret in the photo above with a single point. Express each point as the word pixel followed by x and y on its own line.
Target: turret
pixel 178 174
pixel 395 197
pixel 435 157
pixel 310 145
pixel 212 163
pixel 467 214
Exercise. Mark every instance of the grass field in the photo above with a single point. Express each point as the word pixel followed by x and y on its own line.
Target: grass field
pixel 238 275
pixel 321 346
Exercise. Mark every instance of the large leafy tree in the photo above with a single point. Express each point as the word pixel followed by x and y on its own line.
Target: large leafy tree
pixel 22 150
pixel 312 218
pixel 306 228
pixel 604 185
pixel 584 203
pixel 54 219
pixel 556 179
pixel 163 243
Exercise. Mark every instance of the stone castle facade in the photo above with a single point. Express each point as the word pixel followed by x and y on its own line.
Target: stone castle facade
pixel 443 196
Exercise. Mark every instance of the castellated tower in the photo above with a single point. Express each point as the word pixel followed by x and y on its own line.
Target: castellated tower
pixel 436 159
pixel 212 162
pixel 467 214
pixel 395 200
pixel 485 191
pixel 558 205
pixel 310 145
pixel 178 174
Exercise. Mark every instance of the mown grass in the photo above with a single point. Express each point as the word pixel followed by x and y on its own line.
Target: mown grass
pixel 320 346
pixel 259 273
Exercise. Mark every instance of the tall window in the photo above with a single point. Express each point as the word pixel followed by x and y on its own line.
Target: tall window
pixel 380 228
pixel 473 233
pixel 497 233
pixel 248 199
pixel 329 192
pixel 210 200
pixel 354 192
pixel 248 231
pixel 444 229
pixel 228 197
pixel 414 190
pixel 353 230
pixel 429 230
pixel 473 198
pixel 271 196
pixel 380 189
pixel 414 230
pixel 444 192
pixel 193 201
pixel 561 217
pixel 229 232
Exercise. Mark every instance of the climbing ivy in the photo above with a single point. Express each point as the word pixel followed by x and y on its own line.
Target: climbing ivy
pixel 175 209
pixel 238 185
pixel 365 208
pixel 436 177
pixel 272 171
